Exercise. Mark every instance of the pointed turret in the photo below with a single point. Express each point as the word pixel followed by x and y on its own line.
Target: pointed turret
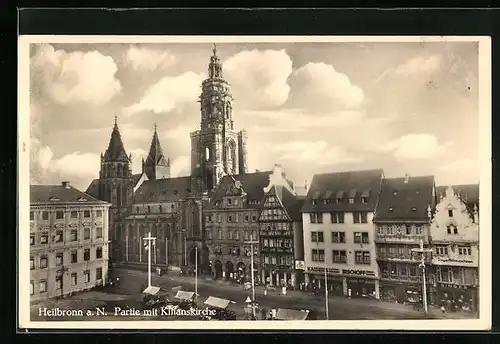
pixel 116 150
pixel 156 166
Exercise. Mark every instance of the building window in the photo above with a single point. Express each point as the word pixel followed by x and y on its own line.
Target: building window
pixel 42 286
pixel 98 213
pixel 98 232
pixel 74 214
pixel 361 237
pixel 229 201
pixel 229 234
pixel 219 234
pixel 318 255
pixel 356 217
pixel 229 218
pixel 364 200
pixel 390 230
pixel 408 230
pixel 339 256
pixel 98 253
pixel 380 230
pixel 246 218
pixel 338 237
pixel 45 215
pixel 59 259
pixel 442 250
pixel 316 217
pixel 254 218
pixel 418 230
pixel 317 237
pixel 445 274
pixel 59 215
pixel 351 200
pixel 236 235
pixel 137 210
pixel 74 278
pixel 32 216
pixel 74 235
pixel 32 288
pixel 362 257
pixel 86 213
pixel 219 218
pixel 86 254
pixel 86 234
pixel 44 238
pixel 337 217
pixel 364 217
pixel 59 236
pixel 464 251
pixel 43 262
pixel 32 263
pixel 86 276
pixel 58 282
pixel 98 273
pixel 450 213
pixel 451 228
pixel 74 256
pixel 32 239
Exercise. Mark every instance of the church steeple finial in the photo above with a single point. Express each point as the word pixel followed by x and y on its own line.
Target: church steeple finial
pixel 215 49
pixel 116 121
pixel 155 127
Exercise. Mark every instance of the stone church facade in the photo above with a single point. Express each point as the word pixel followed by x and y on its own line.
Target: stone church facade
pixel 171 209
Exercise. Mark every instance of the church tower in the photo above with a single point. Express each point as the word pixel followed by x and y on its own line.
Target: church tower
pixel 115 183
pixel 156 165
pixel 216 149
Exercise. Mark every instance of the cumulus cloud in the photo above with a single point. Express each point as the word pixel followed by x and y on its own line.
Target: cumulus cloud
pixel 147 59
pixel 414 146
pixel 40 158
pixel 168 94
pixel 462 171
pixel 137 155
pixel 77 164
pixel 319 152
pixel 321 86
pixel 180 135
pixel 259 77
pixel 74 77
pixel 180 166
pixel 420 64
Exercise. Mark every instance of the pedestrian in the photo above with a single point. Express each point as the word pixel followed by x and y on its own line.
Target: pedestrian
pixel 273 313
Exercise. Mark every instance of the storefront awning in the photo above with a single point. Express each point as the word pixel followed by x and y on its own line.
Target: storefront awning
pixel 184 295
pixel 291 314
pixel 177 288
pixel 151 290
pixel 217 302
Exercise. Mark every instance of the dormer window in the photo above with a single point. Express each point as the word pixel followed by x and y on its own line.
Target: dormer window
pixel 364 196
pixel 414 209
pixel 450 212
pixel 229 201
pixel 391 209
pixel 351 200
pixel 364 200
pixel 395 193
pixel 339 196
pixel 313 202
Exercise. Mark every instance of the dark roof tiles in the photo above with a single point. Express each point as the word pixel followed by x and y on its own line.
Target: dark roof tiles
pixel 53 194
pixel 163 190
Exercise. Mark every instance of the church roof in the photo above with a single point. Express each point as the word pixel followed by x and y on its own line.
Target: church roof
pixel 135 178
pixel 405 201
pixel 155 156
pixel 54 194
pixel 116 150
pixel 93 189
pixel 163 190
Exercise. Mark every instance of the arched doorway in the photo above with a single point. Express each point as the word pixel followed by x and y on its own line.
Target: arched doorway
pixel 218 269
pixel 240 271
pixel 229 269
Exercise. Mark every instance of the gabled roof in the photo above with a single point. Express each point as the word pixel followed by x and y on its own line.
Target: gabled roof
pixel 56 194
pixel 163 190
pixel 252 183
pixel 155 156
pixel 408 201
pixel 93 189
pixel 341 184
pixel 468 193
pixel 291 203
pixel 136 178
pixel 116 150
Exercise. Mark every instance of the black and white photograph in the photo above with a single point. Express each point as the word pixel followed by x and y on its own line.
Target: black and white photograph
pixel 245 182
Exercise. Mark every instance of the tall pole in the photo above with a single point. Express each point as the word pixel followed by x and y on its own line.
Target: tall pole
pixel 423 251
pixel 326 289
pixel 140 250
pixel 196 274
pixel 251 242
pixel 149 239
pixel 166 252
pixel 126 248
pixel 154 244
pixel 185 249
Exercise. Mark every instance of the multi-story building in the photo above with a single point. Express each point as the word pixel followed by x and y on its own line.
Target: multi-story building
pixel 402 221
pixel 281 233
pixel 68 241
pixel 338 232
pixel 231 220
pixel 455 243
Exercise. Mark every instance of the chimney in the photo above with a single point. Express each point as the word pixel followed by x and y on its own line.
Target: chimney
pixel 65 184
pixel 407 178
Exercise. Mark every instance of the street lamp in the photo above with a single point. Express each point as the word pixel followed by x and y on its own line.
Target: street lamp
pixel 196 274
pixel 326 280
pixel 252 242
pixel 148 243
pixel 423 252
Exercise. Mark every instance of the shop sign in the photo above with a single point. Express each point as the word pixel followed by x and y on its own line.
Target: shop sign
pixel 361 281
pixel 453 286
pixel 358 272
pixel 318 269
pixel 300 265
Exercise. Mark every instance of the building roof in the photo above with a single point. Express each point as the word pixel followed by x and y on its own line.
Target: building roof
pixel 252 183
pixel 155 156
pixel 163 190
pixel 468 193
pixel 340 185
pixel 400 201
pixel 93 189
pixel 292 203
pixel 57 194
pixel 116 150
pixel 136 178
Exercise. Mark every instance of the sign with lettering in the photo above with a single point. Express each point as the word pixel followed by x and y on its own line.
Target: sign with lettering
pixel 362 281
pixel 300 265
pixel 358 272
pixel 318 269
pixel 454 286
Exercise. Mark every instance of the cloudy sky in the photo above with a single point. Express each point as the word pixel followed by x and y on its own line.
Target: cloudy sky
pixel 311 107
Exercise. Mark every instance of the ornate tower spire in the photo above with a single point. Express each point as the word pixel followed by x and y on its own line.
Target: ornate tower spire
pixel 116 150
pixel 156 165
pixel 215 66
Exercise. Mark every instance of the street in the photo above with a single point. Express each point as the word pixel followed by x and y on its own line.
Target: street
pixel 127 293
